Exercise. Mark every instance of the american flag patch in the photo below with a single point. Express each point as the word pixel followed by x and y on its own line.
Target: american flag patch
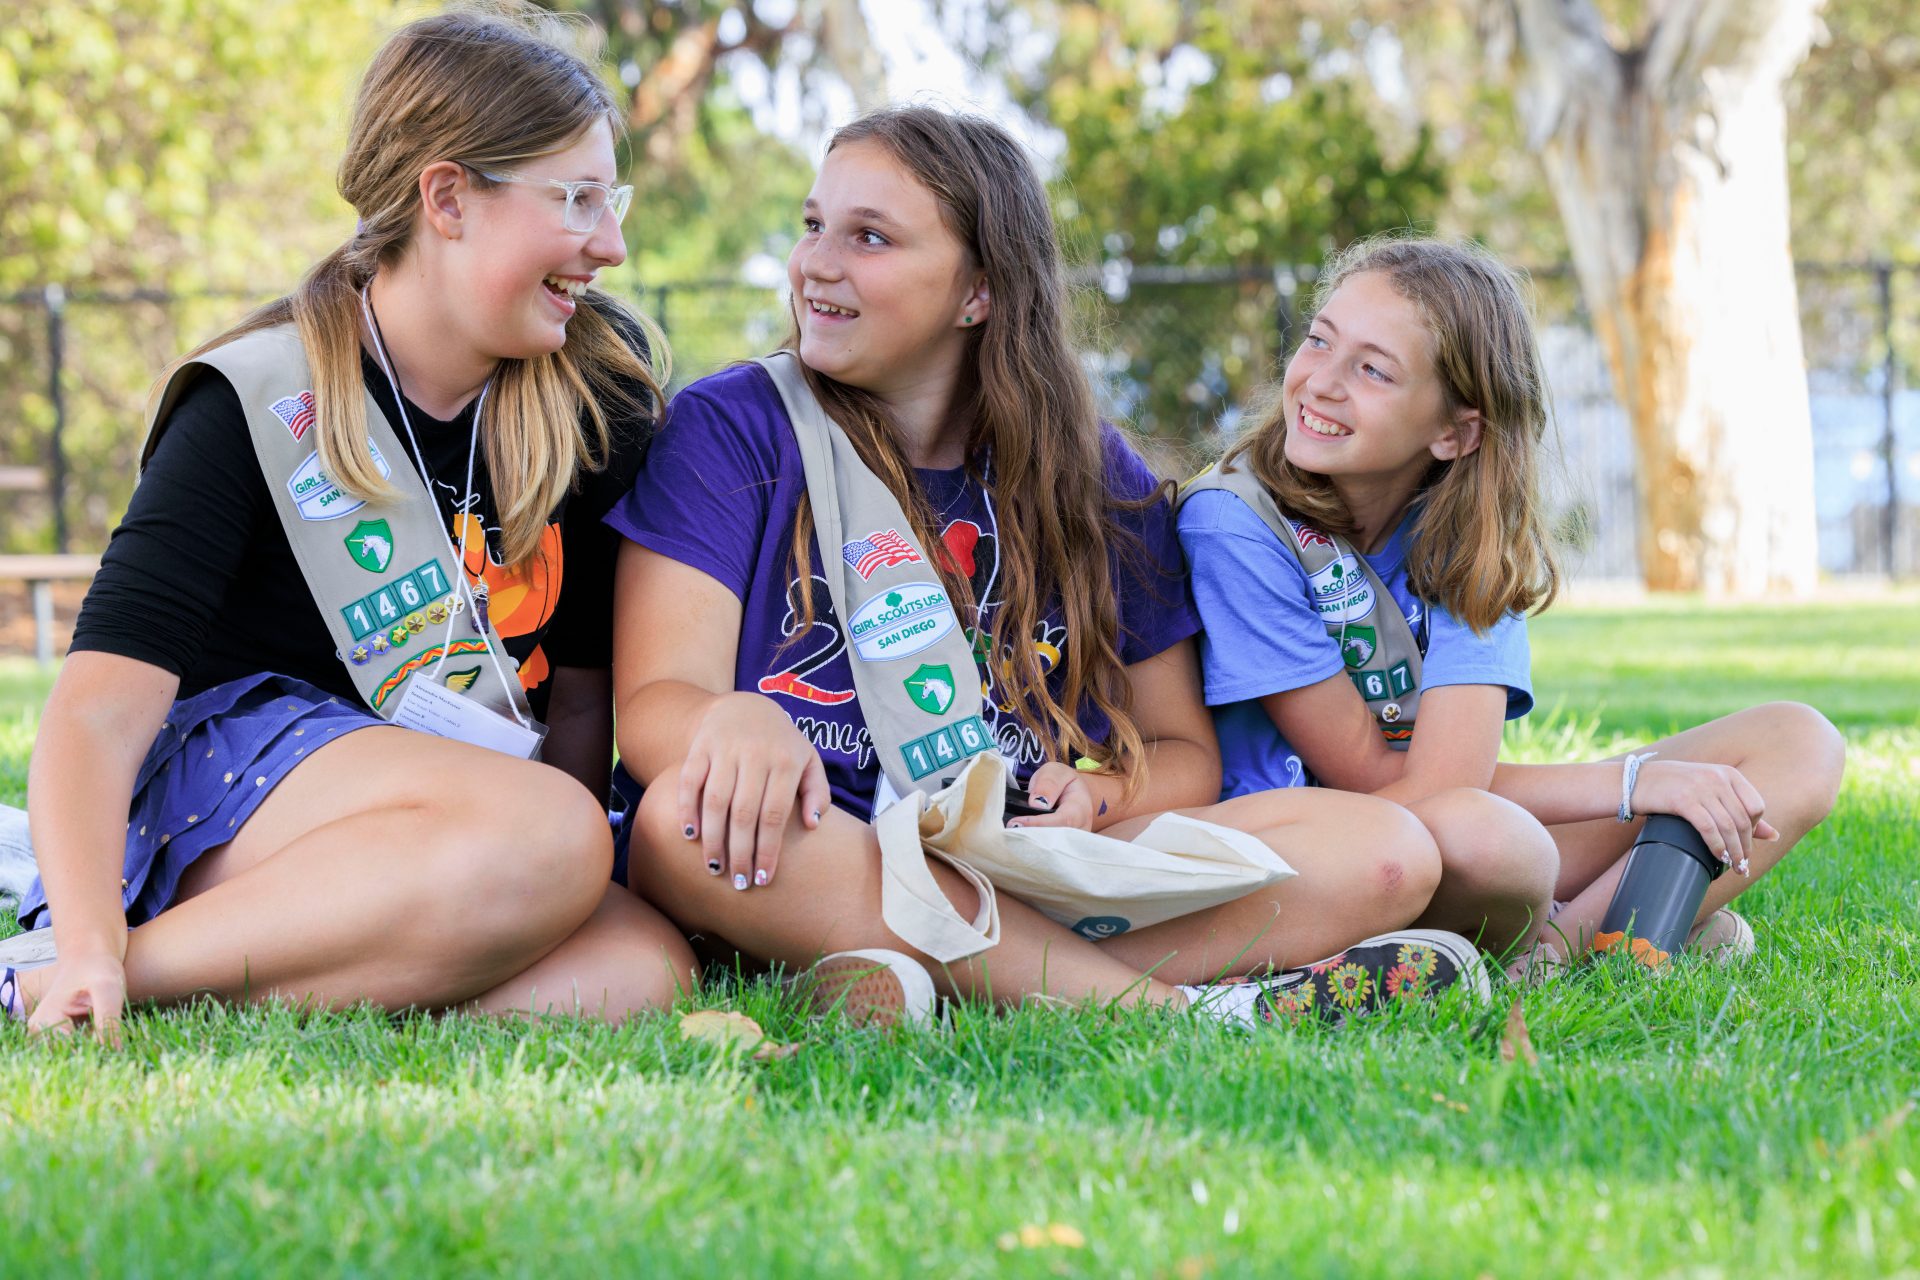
pixel 296 412
pixel 878 551
pixel 1309 537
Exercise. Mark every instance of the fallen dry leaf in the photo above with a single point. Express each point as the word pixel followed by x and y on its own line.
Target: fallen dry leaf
pixel 734 1030
pixel 1516 1043
pixel 1037 1236
pixel 1880 1132
pixel 722 1027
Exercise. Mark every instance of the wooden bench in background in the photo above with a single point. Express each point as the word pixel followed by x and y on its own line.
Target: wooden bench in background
pixel 40 572
pixel 22 480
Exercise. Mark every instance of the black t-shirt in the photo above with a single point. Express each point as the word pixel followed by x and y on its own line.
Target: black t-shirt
pixel 199 578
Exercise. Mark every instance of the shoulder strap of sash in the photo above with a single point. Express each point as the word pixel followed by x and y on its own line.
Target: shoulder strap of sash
pixel 1381 653
pixel 382 573
pixel 912 665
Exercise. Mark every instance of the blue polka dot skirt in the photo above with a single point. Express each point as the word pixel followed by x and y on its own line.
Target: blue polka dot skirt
pixel 216 758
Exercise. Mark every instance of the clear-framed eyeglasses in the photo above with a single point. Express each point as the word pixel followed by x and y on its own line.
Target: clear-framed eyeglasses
pixel 587 202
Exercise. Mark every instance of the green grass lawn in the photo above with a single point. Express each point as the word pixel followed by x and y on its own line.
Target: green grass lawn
pixel 1750 1124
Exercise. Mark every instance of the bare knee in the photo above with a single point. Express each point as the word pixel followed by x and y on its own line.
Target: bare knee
pixel 1490 845
pixel 661 852
pixel 1818 752
pixel 538 847
pixel 1403 863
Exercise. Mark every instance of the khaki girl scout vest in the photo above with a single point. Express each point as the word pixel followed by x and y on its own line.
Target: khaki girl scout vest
pixel 912 663
pixel 384 574
pixel 1381 655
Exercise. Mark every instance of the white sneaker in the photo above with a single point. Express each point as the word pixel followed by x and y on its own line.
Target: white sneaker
pixel 1248 1002
pixel 1411 964
pixel 1722 938
pixel 1538 965
pixel 874 988
pixel 30 950
pixel 21 952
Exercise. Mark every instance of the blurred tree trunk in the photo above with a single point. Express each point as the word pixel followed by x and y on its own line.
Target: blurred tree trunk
pixel 846 46
pixel 1667 159
pixel 675 50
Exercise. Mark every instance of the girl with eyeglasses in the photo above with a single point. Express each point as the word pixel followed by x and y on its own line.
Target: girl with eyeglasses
pixel 336 722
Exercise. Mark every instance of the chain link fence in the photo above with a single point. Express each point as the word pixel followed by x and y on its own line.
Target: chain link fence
pixel 1173 352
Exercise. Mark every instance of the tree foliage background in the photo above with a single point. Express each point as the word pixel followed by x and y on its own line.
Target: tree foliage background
pixel 184 146
pixel 188 146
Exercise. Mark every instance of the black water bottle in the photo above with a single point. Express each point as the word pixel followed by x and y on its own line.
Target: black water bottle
pixel 1668 871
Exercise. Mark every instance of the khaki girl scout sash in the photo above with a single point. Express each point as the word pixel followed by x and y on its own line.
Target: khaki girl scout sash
pixel 385 575
pixel 1381 655
pixel 912 670
pixel 912 663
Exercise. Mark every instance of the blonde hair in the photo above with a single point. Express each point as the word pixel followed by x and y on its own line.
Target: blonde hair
pixel 485 86
pixel 1480 545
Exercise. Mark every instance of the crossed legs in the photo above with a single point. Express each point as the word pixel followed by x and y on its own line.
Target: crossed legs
pixel 1366 866
pixel 411 872
pixel 1790 753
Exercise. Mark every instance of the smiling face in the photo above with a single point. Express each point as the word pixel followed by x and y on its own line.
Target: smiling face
pixel 513 274
pixel 1362 398
pixel 882 289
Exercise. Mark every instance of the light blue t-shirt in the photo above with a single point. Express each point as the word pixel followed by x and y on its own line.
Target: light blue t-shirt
pixel 1262 635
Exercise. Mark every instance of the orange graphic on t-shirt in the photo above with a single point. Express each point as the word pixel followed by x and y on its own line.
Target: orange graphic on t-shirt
pixel 519 601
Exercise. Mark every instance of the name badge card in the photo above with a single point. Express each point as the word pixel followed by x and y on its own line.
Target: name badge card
pixel 435 709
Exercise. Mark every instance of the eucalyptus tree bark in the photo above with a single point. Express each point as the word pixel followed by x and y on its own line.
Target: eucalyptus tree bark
pixel 1667 159
pixel 846 45
pixel 664 111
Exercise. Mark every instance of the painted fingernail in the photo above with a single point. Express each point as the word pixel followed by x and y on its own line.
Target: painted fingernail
pixel 816 815
pixel 1743 867
pixel 739 880
pixel 687 831
pixel 713 868
pixel 1043 802
pixel 760 876
pixel 1103 810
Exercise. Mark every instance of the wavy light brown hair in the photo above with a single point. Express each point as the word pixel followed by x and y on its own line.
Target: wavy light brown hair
pixel 1027 406
pixel 487 86
pixel 1480 546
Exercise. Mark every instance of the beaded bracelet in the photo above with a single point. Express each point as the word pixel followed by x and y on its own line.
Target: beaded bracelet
pixel 1628 776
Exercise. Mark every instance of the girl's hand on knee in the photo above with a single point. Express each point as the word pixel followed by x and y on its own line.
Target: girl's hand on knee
pixel 93 988
pixel 1716 798
pixel 1064 794
pixel 746 770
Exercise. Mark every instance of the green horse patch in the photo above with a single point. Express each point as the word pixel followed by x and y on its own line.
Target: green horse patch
pixel 371 545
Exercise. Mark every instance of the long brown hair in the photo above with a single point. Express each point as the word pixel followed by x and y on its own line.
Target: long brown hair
pixel 486 86
pixel 1480 546
pixel 1028 408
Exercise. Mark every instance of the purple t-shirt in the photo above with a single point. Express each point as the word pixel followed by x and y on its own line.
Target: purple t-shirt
pixel 719 491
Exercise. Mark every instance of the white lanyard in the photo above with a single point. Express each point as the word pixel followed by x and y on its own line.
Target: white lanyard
pixel 473 444
pixel 993 531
